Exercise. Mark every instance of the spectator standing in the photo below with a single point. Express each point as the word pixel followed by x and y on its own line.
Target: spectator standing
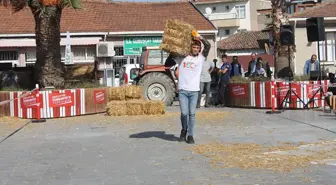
pixel 224 79
pixel 205 83
pixel 311 65
pixel 253 64
pixel 236 67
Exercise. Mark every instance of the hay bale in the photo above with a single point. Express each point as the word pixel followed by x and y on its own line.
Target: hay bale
pixel 133 92
pixel 117 93
pixel 135 107
pixel 116 108
pixel 79 71
pixel 154 107
pixel 177 37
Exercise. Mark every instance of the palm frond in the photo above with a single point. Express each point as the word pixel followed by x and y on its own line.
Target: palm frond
pixel 75 4
pixel 16 5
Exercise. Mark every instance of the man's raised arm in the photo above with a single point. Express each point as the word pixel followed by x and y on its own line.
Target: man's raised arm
pixel 206 46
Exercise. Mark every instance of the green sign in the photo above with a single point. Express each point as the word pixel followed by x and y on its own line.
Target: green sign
pixel 133 45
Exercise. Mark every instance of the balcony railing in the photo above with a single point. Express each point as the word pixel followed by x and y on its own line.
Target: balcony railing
pixel 221 16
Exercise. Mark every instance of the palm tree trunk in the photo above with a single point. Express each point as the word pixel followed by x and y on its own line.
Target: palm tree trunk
pixel 281 52
pixel 49 70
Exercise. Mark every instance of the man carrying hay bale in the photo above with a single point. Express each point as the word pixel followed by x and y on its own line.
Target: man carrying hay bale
pixel 190 68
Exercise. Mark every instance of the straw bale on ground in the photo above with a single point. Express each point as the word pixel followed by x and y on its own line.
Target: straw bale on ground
pixel 117 93
pixel 116 108
pixel 133 92
pixel 154 107
pixel 177 37
pixel 135 107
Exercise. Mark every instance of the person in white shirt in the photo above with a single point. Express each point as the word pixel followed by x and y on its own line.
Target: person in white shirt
pixel 190 68
pixel 205 83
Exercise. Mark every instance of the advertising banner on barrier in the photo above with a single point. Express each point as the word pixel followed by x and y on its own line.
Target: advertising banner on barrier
pixel 238 90
pixel 312 89
pixel 99 96
pixel 282 90
pixel 61 99
pixel 29 101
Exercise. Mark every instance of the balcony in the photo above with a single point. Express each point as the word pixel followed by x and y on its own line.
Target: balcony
pixel 221 16
pixel 224 19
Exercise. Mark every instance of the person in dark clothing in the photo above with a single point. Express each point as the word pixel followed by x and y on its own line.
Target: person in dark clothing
pixel 224 73
pixel 10 79
pixel 253 65
pixel 236 67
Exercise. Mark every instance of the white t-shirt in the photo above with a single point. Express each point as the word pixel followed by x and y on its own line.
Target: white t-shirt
pixel 205 74
pixel 190 69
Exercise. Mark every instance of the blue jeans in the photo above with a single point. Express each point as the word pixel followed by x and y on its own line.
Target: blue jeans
pixel 188 102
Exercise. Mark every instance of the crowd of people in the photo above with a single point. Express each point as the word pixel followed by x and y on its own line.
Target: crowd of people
pixel 221 76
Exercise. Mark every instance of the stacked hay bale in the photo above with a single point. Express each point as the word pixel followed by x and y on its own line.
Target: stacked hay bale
pixel 127 100
pixel 177 37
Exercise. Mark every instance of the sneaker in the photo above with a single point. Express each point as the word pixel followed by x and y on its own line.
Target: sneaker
pixel 190 140
pixel 183 135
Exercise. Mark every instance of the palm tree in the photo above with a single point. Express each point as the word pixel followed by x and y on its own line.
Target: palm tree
pixel 48 70
pixel 279 17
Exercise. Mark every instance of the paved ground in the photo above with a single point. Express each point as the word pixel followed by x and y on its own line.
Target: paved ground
pixel 120 151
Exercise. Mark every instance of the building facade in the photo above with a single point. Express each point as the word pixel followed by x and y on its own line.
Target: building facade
pixel 327 48
pixel 127 27
pixel 244 44
pixel 232 16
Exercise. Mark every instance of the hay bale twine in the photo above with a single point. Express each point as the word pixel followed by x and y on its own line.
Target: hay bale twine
pixel 133 92
pixel 117 93
pixel 116 108
pixel 154 107
pixel 135 107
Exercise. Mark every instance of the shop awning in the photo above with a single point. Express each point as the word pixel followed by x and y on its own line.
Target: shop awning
pixel 4 43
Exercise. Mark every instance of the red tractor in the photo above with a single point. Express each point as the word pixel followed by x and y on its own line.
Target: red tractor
pixel 158 81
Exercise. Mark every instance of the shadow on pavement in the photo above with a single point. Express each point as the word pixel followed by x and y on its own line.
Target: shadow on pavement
pixel 157 134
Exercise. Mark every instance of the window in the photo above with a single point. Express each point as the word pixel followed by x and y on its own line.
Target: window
pixel 8 55
pixel 119 51
pixel 227 7
pixel 241 11
pixel 227 32
pixel 30 57
pixel 328 48
pixel 214 8
pixel 80 54
pixel 117 64
pixel 154 57
pixel 241 30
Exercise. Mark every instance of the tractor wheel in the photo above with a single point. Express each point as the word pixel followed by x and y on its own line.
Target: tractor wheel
pixel 158 86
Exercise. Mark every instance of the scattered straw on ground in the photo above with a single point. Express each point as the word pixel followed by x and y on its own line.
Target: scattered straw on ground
pixel 246 156
pixel 9 124
pixel 170 117
pixel 212 117
pixel 9 120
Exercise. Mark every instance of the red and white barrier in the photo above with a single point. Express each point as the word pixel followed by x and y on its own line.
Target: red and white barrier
pixel 53 104
pixel 260 93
